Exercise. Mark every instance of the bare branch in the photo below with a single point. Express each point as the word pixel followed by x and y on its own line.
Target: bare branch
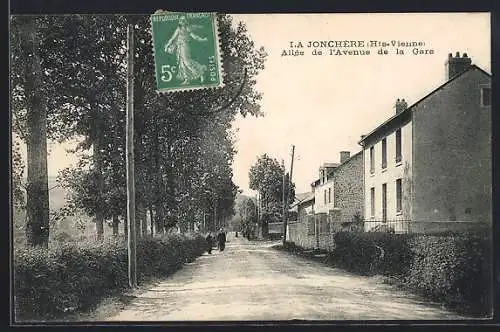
pixel 57 185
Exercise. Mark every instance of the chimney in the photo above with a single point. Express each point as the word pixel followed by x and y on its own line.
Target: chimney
pixel 401 105
pixel 344 155
pixel 362 138
pixel 456 65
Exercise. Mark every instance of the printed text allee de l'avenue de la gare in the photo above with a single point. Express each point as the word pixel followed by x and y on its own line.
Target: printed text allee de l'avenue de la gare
pixel 356 47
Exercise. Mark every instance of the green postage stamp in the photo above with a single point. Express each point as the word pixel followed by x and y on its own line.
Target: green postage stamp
pixel 186 51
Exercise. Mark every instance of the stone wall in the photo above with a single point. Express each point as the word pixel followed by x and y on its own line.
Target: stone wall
pixel 297 233
pixel 349 186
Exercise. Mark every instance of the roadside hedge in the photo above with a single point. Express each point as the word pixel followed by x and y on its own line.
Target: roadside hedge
pixel 455 269
pixel 451 268
pixel 75 277
pixel 372 253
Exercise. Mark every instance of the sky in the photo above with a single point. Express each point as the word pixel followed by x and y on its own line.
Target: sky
pixel 322 104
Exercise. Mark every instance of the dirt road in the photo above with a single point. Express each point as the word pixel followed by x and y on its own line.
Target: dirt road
pixel 251 281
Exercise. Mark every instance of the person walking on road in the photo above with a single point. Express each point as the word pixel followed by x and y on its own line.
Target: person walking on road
pixel 210 242
pixel 221 239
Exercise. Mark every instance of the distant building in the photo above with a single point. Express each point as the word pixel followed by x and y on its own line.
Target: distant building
pixel 301 230
pixel 339 193
pixel 431 161
pixel 303 204
pixel 335 198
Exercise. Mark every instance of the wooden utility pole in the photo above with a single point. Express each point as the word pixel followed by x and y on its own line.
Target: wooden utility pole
pixel 132 229
pixel 285 223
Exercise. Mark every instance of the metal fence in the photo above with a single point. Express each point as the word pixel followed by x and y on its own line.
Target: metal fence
pixel 395 226
pixel 422 227
pixel 310 233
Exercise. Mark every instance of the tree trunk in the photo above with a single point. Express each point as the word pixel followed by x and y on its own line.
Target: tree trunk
pixel 191 221
pixel 142 216
pixel 37 205
pixel 158 200
pixel 99 218
pixel 116 222
pixel 97 133
pixel 160 219
pixel 216 224
pixel 170 186
pixel 125 227
pixel 151 217
pixel 139 218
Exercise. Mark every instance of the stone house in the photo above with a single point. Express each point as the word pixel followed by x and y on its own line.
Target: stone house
pixel 349 186
pixel 335 197
pixel 338 195
pixel 431 161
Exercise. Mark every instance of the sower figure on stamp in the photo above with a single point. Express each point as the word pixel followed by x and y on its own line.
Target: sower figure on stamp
pixel 221 239
pixel 179 44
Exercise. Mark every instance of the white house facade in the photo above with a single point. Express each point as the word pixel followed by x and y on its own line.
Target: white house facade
pixel 387 175
pixel 324 196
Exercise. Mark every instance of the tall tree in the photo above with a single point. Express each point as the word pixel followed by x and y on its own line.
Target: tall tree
pixel 183 143
pixel 248 213
pixel 266 176
pixel 37 193
pixel 95 102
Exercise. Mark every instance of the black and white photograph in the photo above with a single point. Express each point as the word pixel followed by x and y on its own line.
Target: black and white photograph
pixel 250 167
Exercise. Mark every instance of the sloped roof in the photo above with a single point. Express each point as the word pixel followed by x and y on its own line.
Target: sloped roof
pixel 302 198
pixel 315 182
pixel 410 108
pixel 329 165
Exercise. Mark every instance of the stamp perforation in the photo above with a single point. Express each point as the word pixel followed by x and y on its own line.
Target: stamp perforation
pixel 218 51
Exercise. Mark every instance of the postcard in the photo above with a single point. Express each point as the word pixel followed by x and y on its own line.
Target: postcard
pixel 209 167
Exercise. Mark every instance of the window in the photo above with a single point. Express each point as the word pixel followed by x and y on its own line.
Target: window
pixel 384 202
pixel 399 196
pixel 329 195
pixel 372 160
pixel 384 153
pixel 324 195
pixel 372 201
pixel 398 145
pixel 486 97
